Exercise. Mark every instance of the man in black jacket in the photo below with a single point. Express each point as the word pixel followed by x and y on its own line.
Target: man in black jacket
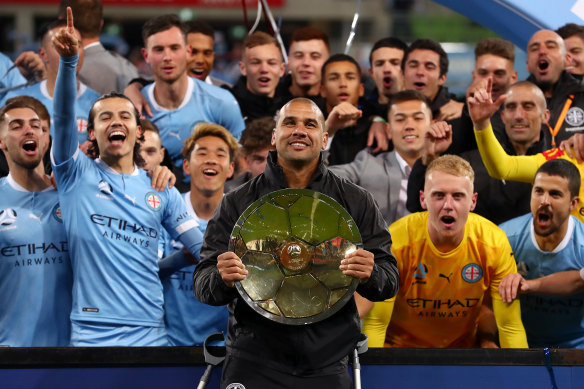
pixel 547 59
pixel 262 353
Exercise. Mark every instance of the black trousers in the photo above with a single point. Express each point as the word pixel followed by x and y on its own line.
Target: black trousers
pixel 243 374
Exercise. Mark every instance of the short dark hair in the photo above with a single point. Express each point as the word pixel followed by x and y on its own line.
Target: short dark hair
pixel 391 42
pixel 408 95
pixel 200 27
pixel 15 105
pixel 93 149
pixel 571 29
pixel 257 135
pixel 563 168
pixel 428 44
pixel 88 15
pixel 339 58
pixel 30 102
pixel 162 23
pixel 496 46
pixel 309 33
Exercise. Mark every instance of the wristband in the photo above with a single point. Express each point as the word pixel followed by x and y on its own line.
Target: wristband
pixel 377 119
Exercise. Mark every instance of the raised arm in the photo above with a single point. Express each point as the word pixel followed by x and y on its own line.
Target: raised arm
pixel 499 164
pixel 65 143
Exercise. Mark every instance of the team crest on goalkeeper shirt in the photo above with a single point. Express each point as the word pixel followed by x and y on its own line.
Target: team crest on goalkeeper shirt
pixel 472 273
pixel 153 201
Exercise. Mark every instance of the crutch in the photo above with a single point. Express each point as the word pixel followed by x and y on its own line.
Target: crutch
pixel 362 346
pixel 210 359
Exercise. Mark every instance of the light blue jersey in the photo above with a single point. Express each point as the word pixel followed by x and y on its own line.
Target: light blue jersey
pixel 35 271
pixel 113 223
pixel 549 321
pixel 13 77
pixel 83 103
pixel 188 321
pixel 202 103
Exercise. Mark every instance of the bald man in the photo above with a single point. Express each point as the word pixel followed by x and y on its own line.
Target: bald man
pixel 547 59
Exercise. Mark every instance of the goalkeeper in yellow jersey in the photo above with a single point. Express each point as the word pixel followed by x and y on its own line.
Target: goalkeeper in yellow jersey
pixel 450 263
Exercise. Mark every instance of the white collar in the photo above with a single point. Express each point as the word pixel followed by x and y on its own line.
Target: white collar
pixel 16 186
pixel 188 95
pixel 109 169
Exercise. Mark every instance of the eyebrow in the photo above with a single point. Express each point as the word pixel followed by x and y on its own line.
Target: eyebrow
pixel 19 121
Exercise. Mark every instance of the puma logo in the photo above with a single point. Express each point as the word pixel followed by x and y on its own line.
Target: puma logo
pixel 447 277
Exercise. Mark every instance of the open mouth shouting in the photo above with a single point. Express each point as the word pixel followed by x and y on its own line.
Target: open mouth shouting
pixel 543 66
pixel 543 218
pixel 197 72
pixel 387 82
pixel 30 146
pixel 116 137
pixel 419 85
pixel 447 221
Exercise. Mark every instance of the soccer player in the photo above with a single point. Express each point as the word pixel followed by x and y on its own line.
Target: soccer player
pixel 209 162
pixel 178 101
pixel 449 259
pixel 112 217
pixel 545 242
pixel 35 270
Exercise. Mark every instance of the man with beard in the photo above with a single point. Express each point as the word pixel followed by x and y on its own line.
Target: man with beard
pixel 547 241
pixel 35 269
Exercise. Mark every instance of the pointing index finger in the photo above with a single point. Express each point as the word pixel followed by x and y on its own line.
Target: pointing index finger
pixel 70 20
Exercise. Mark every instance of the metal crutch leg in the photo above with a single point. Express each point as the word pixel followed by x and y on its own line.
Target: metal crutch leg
pixel 362 346
pixel 211 360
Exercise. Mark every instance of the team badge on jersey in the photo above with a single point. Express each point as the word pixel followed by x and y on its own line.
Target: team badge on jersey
pixel 7 216
pixel 56 212
pixel 472 273
pixel 575 116
pixel 153 201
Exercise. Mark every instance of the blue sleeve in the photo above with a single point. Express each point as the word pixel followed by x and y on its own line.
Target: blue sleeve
pixel 65 143
pixel 172 263
pixel 180 224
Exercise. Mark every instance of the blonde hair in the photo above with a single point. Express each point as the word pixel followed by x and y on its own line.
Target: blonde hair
pixel 451 164
pixel 209 129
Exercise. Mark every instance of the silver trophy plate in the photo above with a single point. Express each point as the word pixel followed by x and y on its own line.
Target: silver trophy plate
pixel 292 242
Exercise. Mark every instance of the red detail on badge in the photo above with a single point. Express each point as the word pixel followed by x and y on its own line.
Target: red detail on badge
pixel 553 153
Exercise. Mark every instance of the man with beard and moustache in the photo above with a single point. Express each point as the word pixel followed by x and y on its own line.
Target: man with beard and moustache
pixel 547 241
pixel 35 270
pixel 573 36
pixel 547 60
